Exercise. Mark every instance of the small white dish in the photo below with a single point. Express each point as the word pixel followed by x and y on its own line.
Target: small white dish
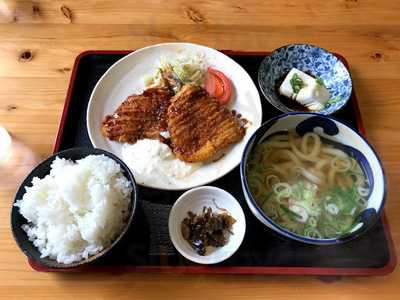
pixel 194 200
pixel 126 77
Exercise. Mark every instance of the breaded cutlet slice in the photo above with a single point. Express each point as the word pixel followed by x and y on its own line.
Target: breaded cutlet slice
pixel 200 127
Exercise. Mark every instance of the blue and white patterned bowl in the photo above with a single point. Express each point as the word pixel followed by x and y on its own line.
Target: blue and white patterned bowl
pixel 344 137
pixel 310 59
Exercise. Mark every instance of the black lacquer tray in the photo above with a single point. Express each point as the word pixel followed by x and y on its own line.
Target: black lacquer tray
pixel 147 246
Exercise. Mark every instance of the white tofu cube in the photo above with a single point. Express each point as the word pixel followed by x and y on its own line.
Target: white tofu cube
pixel 312 95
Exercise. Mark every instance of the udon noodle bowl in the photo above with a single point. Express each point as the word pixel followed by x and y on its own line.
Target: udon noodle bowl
pixel 307 185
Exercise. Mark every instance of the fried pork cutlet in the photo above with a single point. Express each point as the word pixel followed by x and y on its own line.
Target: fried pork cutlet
pixel 139 116
pixel 199 126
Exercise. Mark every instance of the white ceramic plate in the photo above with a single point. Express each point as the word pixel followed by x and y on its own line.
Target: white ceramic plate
pixel 194 201
pixel 125 78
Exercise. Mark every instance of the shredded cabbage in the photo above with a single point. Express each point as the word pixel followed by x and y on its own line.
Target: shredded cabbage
pixel 189 68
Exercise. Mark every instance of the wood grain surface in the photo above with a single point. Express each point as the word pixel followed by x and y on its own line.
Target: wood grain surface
pixel 39 41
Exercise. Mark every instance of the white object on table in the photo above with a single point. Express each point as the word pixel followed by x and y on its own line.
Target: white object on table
pixel 313 95
pixel 125 78
pixel 194 200
pixel 5 145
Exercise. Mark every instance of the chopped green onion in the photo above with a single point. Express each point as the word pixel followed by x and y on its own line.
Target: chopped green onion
pixel 334 100
pixel 289 212
pixel 296 83
pixel 312 222
pixel 319 81
pixel 312 233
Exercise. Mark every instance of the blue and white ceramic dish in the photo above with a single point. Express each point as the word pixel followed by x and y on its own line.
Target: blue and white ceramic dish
pixel 344 137
pixel 312 60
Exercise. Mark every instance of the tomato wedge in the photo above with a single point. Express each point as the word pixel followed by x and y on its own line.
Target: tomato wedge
pixel 218 85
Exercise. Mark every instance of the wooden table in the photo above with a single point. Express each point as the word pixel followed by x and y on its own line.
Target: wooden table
pixel 40 39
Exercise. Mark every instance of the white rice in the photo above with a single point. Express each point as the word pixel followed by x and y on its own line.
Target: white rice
pixel 78 209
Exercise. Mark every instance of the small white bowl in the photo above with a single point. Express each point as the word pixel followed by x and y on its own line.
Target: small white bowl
pixel 194 200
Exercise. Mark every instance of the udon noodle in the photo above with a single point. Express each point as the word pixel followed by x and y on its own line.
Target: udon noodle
pixel 306 185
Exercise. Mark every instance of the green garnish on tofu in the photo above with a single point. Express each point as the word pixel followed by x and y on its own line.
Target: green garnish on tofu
pixel 319 81
pixel 296 83
pixel 334 100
